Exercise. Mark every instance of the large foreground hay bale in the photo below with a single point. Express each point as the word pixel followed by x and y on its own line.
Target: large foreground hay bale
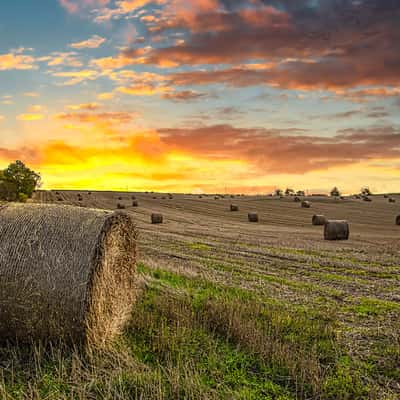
pixel 336 230
pixel 319 220
pixel 234 207
pixel 156 218
pixel 252 216
pixel 65 273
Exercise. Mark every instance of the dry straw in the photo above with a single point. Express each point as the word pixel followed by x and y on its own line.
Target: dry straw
pixel 336 230
pixel 253 217
pixel 156 218
pixel 65 273
pixel 318 220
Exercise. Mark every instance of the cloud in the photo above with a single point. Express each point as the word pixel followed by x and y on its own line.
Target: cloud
pixel 82 6
pixel 75 77
pixel 280 152
pixel 92 43
pixel 104 117
pixel 16 61
pixel 30 117
pixel 184 95
pixel 84 106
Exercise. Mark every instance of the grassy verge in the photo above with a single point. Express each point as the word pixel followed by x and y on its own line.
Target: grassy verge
pixel 189 338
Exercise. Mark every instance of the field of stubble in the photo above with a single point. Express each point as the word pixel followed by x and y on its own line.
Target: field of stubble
pixel 237 310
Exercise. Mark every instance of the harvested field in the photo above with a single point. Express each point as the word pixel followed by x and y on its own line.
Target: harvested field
pixel 249 311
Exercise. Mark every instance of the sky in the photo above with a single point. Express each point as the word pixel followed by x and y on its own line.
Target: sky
pixel 236 96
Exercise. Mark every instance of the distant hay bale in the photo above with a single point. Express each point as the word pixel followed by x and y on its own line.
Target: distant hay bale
pixel 60 199
pixel 336 230
pixel 216 198
pixel 154 198
pixel 234 207
pixel 120 206
pixel 386 196
pixel 200 197
pixel 133 197
pixel 252 217
pixel 119 198
pixel 65 273
pixel 392 200
pixel 305 204
pixel 297 199
pixel 366 198
pixel 89 193
pixel 398 220
pixel 157 218
pixel 318 220
pixel 135 203
pixel 163 198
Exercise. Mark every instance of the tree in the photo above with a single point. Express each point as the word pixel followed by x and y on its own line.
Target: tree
pixel 335 192
pixel 278 192
pixel 24 179
pixel 301 193
pixel 289 192
pixel 365 191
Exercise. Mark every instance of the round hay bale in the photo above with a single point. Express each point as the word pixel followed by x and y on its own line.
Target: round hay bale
pixel 366 198
pixel 119 198
pixel 252 217
pixel 133 197
pixel 385 196
pixel 135 203
pixel 318 220
pixel 234 207
pixel 392 200
pixel 216 198
pixel 120 206
pixel 60 199
pixel 156 218
pixel 154 198
pixel 305 204
pixel 336 230
pixel 297 199
pixel 65 273
pixel 398 220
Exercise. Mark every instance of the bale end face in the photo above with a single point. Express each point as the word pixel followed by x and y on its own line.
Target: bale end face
pixel 234 207
pixel 157 218
pixel 319 220
pixel 73 276
pixel 336 230
pixel 252 217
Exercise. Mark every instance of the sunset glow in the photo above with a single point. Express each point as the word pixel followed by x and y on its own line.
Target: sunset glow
pixel 202 95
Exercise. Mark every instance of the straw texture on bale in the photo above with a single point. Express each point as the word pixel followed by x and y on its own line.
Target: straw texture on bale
pixel 65 273
pixel 156 218
pixel 253 217
pixel 234 207
pixel 336 230
pixel 305 204
pixel 318 220
pixel 398 220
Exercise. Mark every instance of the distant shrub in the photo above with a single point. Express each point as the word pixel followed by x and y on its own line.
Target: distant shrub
pixel 22 197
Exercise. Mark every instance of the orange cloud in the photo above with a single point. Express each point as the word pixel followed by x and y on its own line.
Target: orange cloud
pixel 92 43
pixel 30 117
pixel 10 61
